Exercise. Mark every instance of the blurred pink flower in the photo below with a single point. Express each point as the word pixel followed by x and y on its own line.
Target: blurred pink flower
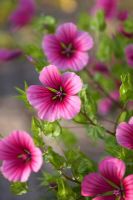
pixel 109 182
pixel 57 97
pixel 124 134
pixel 108 6
pixel 101 68
pixel 23 14
pixel 68 47
pixel 129 54
pixel 9 54
pixel 20 156
pixel 124 32
pixel 105 104
pixel 122 15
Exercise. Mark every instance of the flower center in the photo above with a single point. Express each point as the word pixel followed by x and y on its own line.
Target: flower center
pixel 59 94
pixel 67 49
pixel 25 155
pixel 118 193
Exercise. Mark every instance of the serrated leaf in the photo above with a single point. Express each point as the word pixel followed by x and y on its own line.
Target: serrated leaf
pixel 19 188
pixel 126 88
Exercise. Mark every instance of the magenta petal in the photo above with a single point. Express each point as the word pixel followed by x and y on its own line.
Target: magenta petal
pixel 112 169
pixel 72 83
pixel 78 61
pixel 24 13
pixel 13 172
pixel 93 185
pixel 124 135
pixel 50 77
pixel 10 146
pixel 66 32
pixel 131 121
pixel 128 187
pixel 37 160
pixel 83 41
pixel 105 198
pixel 129 54
pixel 70 107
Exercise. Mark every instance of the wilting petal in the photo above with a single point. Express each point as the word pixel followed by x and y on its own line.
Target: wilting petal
pixel 50 77
pixel 124 134
pixel 112 169
pixel 70 107
pixel 128 187
pixel 83 41
pixel 66 32
pixel 93 185
pixel 72 83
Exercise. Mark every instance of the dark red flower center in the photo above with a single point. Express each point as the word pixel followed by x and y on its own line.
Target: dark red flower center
pixel 119 193
pixel 58 94
pixel 25 155
pixel 67 49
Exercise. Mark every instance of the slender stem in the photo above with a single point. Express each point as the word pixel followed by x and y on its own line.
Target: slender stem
pixel 101 89
pixel 70 178
pixel 92 123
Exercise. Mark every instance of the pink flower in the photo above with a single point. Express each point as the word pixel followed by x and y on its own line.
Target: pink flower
pixel 101 68
pixel 23 14
pixel 68 47
pixel 129 54
pixel 9 54
pixel 105 104
pixel 109 182
pixel 20 156
pixel 124 134
pixel 57 97
pixel 122 15
pixel 108 6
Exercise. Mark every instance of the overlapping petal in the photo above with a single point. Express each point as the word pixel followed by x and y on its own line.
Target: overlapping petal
pixel 94 185
pixel 124 134
pixel 128 187
pixel 20 156
pixel 71 82
pixel 112 169
pixel 66 32
pixel 50 77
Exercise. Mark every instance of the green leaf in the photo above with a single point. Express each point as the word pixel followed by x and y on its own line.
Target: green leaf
pixel 88 104
pixel 98 23
pixel 36 128
pixel 52 129
pixel 96 132
pixel 22 95
pixel 105 48
pixel 68 138
pixel 126 88
pixel 36 56
pixel 45 24
pixel 19 188
pixel 65 192
pixel 128 25
pixel 79 163
pixel 55 159
pixel 84 21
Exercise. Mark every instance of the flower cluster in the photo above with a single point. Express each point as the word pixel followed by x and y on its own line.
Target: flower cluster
pixel 79 67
